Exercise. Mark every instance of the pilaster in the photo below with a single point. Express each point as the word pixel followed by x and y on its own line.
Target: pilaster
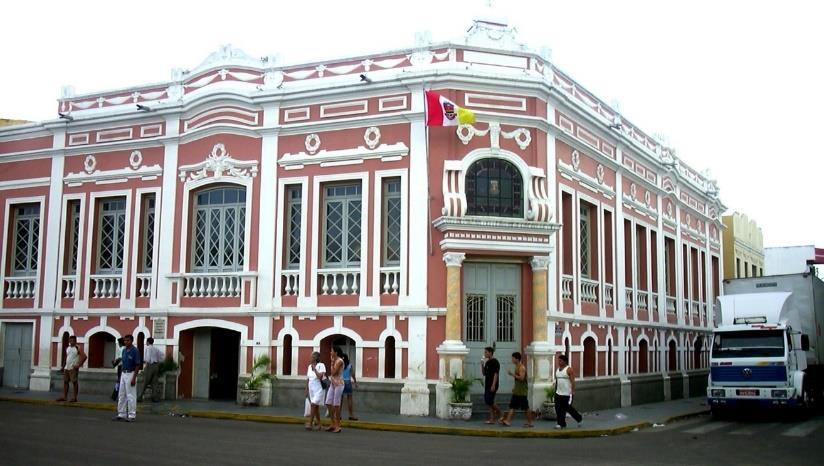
pixel 452 351
pixel 167 214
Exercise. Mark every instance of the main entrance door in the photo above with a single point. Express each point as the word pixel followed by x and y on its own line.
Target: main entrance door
pixel 216 363
pixel 492 315
pixel 17 355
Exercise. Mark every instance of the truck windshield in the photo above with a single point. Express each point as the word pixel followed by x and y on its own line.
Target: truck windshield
pixel 748 344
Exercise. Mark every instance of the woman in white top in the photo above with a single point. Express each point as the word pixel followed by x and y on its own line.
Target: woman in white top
pixel 564 389
pixel 314 389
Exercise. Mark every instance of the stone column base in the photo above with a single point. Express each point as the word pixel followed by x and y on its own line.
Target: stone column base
pixel 443 395
pixel 686 381
pixel 451 359
pixel 415 398
pixel 40 380
pixel 667 388
pixel 539 372
pixel 626 392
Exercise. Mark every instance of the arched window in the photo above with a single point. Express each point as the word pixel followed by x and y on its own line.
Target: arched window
pixel 589 357
pixel 696 355
pixel 643 355
pixel 494 188
pixel 672 357
pixel 219 229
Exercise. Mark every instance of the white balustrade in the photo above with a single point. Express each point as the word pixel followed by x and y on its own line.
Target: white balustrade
pixel 608 297
pixel 628 295
pixel 390 280
pixel 334 282
pixel 144 285
pixel 589 290
pixel 694 307
pixel 106 286
pixel 566 286
pixel 21 287
pixel 69 286
pixel 289 282
pixel 212 285
pixel 643 300
pixel 670 305
pixel 704 310
pixel 686 308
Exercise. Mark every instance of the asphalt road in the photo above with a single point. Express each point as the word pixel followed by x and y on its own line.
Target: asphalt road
pixel 33 434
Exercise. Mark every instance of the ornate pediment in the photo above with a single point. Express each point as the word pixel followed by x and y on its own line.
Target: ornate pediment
pixel 220 164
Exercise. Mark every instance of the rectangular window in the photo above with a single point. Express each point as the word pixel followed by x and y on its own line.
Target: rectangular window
pixel 342 226
pixel 148 233
pixel 112 227
pixel 73 236
pixel 669 265
pixel 391 222
pixel 584 240
pixel 219 230
pixel 26 240
pixel 294 207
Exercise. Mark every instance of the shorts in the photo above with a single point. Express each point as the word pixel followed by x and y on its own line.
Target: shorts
pixel 347 388
pixel 70 375
pixel 519 402
pixel 334 395
pixel 489 398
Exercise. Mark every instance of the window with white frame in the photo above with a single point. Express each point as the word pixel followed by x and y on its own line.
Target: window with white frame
pixel 392 222
pixel 26 239
pixel 112 228
pixel 294 207
pixel 494 187
pixel 219 230
pixel 584 239
pixel 148 233
pixel 73 225
pixel 342 226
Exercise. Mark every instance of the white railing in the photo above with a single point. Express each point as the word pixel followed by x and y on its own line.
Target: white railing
pixel 628 297
pixel 289 282
pixel 643 300
pixel 69 285
pixel 670 304
pixel 704 311
pixel 686 308
pixel 21 287
pixel 589 290
pixel 333 282
pixel 566 286
pixel 608 290
pixel 390 280
pixel 217 285
pixel 694 307
pixel 144 285
pixel 106 286
pixel 653 302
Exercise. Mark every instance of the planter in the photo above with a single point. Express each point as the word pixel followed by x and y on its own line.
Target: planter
pixel 461 411
pixel 549 410
pixel 249 397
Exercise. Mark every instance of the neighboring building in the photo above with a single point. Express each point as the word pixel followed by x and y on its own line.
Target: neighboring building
pixel 10 122
pixel 743 247
pixel 249 207
pixel 792 259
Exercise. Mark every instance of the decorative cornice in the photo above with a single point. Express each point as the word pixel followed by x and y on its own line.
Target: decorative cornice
pixel 219 162
pixel 495 225
pixel 399 149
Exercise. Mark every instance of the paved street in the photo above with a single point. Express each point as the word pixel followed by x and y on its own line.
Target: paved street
pixel 62 435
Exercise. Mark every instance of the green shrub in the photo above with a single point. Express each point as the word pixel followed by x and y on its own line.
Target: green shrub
pixel 260 372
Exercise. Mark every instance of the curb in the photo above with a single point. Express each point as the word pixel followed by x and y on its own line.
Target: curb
pixel 379 426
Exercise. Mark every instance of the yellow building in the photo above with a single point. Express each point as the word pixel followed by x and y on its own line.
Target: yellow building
pixel 9 122
pixel 743 247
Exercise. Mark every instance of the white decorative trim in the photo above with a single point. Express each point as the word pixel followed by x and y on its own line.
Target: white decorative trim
pixel 576 160
pixel 296 114
pixel 492 224
pixel 539 262
pixel 135 159
pixel 372 136
pixel 242 116
pixel 356 155
pixel 519 102
pixel 25 183
pixel 454 259
pixel 90 163
pixel 119 134
pixel 218 162
pixel 78 139
pixel 326 113
pixel 312 143
pixel 384 103
pixel 522 136
pixel 151 130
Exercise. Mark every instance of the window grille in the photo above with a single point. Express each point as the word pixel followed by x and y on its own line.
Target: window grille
pixel 293 208
pixel 148 234
pixel 584 240
pixel 475 317
pixel 505 316
pixel 74 235
pixel 26 239
pixel 494 187
pixel 112 227
pixel 392 222
pixel 219 230
pixel 342 226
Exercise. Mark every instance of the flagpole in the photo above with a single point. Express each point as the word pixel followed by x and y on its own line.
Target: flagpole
pixel 428 194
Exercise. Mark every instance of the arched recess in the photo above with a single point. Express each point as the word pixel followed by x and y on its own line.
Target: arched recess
pixel 672 356
pixel 643 356
pixel 698 352
pixel 287 355
pixel 390 357
pixel 101 349
pixel 590 355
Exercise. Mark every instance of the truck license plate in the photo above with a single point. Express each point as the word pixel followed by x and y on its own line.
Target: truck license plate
pixel 747 392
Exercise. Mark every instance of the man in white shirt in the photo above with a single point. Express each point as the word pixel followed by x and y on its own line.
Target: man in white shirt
pixel 75 357
pixel 151 370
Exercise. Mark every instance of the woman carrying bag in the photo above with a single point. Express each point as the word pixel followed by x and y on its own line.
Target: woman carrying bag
pixel 564 389
pixel 314 389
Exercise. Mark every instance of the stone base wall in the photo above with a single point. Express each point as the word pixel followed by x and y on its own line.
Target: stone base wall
pixel 102 383
pixel 372 397
pixel 647 388
pixel 699 380
pixel 597 394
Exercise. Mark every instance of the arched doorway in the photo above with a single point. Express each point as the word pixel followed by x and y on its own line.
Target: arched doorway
pixel 589 357
pixel 346 344
pixel 211 363
pixel 102 348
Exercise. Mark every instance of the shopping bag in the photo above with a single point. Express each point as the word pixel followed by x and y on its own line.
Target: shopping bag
pixel 307 408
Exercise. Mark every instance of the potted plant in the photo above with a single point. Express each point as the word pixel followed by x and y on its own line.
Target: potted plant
pixel 250 393
pixel 549 403
pixel 460 407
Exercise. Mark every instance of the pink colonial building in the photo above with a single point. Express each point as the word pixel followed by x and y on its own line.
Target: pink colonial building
pixel 249 207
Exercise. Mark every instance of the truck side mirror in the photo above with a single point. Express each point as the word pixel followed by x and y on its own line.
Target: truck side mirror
pixel 805 342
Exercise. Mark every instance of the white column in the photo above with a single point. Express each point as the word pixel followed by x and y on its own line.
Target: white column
pixel 40 379
pixel 661 298
pixel 679 265
pixel 648 272
pixel 620 254
pixel 167 214
pixel 415 392
pixel 552 188
pixel 419 221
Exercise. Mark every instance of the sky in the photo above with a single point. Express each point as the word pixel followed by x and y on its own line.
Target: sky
pixel 735 87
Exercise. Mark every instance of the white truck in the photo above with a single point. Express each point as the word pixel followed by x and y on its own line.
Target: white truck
pixel 766 350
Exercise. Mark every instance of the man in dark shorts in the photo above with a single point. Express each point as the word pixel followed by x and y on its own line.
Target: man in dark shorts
pixel 519 392
pixel 490 367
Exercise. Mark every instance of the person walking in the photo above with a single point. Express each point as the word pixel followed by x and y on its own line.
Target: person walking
pixel 490 368
pixel 335 392
pixel 520 390
pixel 564 389
pixel 348 382
pixel 75 357
pixel 127 392
pixel 314 389
pixel 151 371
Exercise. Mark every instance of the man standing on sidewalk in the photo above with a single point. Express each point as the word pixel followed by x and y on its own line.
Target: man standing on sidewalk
pixel 127 393
pixel 151 371
pixel 75 357
pixel 490 369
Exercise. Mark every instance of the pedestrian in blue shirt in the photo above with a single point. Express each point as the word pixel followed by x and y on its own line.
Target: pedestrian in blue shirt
pixel 127 392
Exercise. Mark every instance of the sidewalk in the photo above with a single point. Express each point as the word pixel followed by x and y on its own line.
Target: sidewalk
pixel 595 424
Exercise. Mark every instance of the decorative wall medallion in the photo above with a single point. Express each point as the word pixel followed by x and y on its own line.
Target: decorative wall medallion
pixel 599 172
pixel 689 219
pixel 669 209
pixel 522 137
pixel 312 143
pixel 421 58
pixel 633 191
pixel 372 136
pixel 135 159
pixel 576 160
pixel 647 198
pixel 272 79
pixel 90 163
